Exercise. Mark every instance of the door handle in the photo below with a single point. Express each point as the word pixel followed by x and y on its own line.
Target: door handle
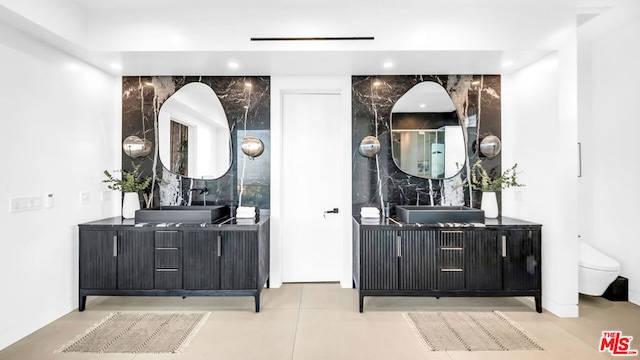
pixel 333 211
pixel 504 246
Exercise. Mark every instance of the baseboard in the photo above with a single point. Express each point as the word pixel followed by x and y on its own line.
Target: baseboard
pixel 559 310
pixel 634 297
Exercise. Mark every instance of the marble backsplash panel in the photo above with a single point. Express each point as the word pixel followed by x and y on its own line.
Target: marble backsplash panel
pixel 378 180
pixel 248 112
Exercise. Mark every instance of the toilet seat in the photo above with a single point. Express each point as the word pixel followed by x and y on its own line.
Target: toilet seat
pixel 592 259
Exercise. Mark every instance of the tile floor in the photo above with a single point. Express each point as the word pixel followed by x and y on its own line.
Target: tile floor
pixel 321 321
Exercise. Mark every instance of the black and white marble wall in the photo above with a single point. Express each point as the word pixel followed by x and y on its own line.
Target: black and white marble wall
pixel 246 103
pixel 378 180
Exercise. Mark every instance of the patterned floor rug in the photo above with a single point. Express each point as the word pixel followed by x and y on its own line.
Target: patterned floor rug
pixel 470 331
pixel 133 332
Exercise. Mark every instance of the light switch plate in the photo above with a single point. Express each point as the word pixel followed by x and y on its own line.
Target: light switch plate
pixel 48 200
pixel 25 203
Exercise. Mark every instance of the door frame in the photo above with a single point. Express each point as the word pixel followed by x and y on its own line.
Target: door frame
pixel 340 85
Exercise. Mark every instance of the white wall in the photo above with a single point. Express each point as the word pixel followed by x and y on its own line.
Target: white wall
pixel 59 129
pixel 608 130
pixel 539 132
pixel 310 84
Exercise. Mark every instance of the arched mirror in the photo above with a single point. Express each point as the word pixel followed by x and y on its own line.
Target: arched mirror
pixel 193 133
pixel 426 135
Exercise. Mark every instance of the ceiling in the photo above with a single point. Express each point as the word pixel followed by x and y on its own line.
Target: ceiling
pixel 212 37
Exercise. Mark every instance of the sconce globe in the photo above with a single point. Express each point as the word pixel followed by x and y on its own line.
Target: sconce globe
pixel 252 146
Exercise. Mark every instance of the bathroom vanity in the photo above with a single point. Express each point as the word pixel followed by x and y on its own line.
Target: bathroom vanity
pixel 119 257
pixel 498 258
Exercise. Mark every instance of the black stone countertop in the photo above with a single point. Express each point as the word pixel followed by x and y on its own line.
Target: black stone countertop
pixel 500 222
pixel 118 221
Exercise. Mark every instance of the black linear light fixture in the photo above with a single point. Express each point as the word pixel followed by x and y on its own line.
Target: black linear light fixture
pixel 312 38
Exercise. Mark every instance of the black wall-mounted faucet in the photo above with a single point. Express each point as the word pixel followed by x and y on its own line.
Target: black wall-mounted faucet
pixel 201 191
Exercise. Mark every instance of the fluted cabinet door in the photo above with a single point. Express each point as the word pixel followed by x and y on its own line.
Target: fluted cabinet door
pixel 379 260
pixel 521 264
pixel 483 260
pixel 239 260
pixel 201 262
pixel 98 259
pixel 418 268
pixel 135 260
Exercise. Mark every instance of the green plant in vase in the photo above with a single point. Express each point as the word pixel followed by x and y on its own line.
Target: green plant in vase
pixel 132 181
pixel 482 181
pixel 130 184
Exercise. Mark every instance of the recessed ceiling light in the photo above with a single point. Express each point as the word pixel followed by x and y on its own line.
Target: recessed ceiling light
pixel 507 63
pixel 73 66
pixel 423 105
pixel 233 65
pixel 116 66
pixel 388 64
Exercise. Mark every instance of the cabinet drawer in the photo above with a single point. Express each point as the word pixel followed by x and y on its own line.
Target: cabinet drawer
pixel 168 258
pixel 168 279
pixel 451 239
pixel 168 239
pixel 451 279
pixel 451 257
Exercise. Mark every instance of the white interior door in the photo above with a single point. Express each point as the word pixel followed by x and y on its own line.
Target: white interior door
pixel 312 239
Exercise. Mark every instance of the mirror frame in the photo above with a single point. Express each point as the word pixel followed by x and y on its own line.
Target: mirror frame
pixel 215 106
pixel 440 107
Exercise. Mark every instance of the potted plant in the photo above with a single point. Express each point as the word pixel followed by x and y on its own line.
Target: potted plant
pixel 482 181
pixel 130 184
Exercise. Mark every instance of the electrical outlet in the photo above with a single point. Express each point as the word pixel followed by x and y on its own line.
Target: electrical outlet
pixel 26 203
pixel 84 197
pixel 106 195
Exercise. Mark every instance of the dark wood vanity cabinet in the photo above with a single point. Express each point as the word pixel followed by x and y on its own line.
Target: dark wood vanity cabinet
pixel 119 259
pixel 521 260
pixel 220 260
pixel 116 259
pixel 168 259
pixel 398 260
pixel 430 261
pixel 483 260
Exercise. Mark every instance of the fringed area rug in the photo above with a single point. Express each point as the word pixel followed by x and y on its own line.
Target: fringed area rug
pixel 139 333
pixel 470 331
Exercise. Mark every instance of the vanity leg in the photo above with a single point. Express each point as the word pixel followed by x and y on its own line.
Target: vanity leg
pixel 257 300
pixel 268 283
pixel 538 303
pixel 361 303
pixel 82 303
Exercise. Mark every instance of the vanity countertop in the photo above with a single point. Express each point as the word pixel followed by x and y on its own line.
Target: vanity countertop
pixel 500 222
pixel 118 221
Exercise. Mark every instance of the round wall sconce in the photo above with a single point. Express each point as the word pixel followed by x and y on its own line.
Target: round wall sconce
pixel 369 146
pixel 490 146
pixel 252 146
pixel 135 147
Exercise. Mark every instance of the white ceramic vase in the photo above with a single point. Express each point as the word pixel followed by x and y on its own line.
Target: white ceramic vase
pixel 489 204
pixel 130 204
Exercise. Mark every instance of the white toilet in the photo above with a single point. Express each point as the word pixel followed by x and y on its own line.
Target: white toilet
pixel 596 271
